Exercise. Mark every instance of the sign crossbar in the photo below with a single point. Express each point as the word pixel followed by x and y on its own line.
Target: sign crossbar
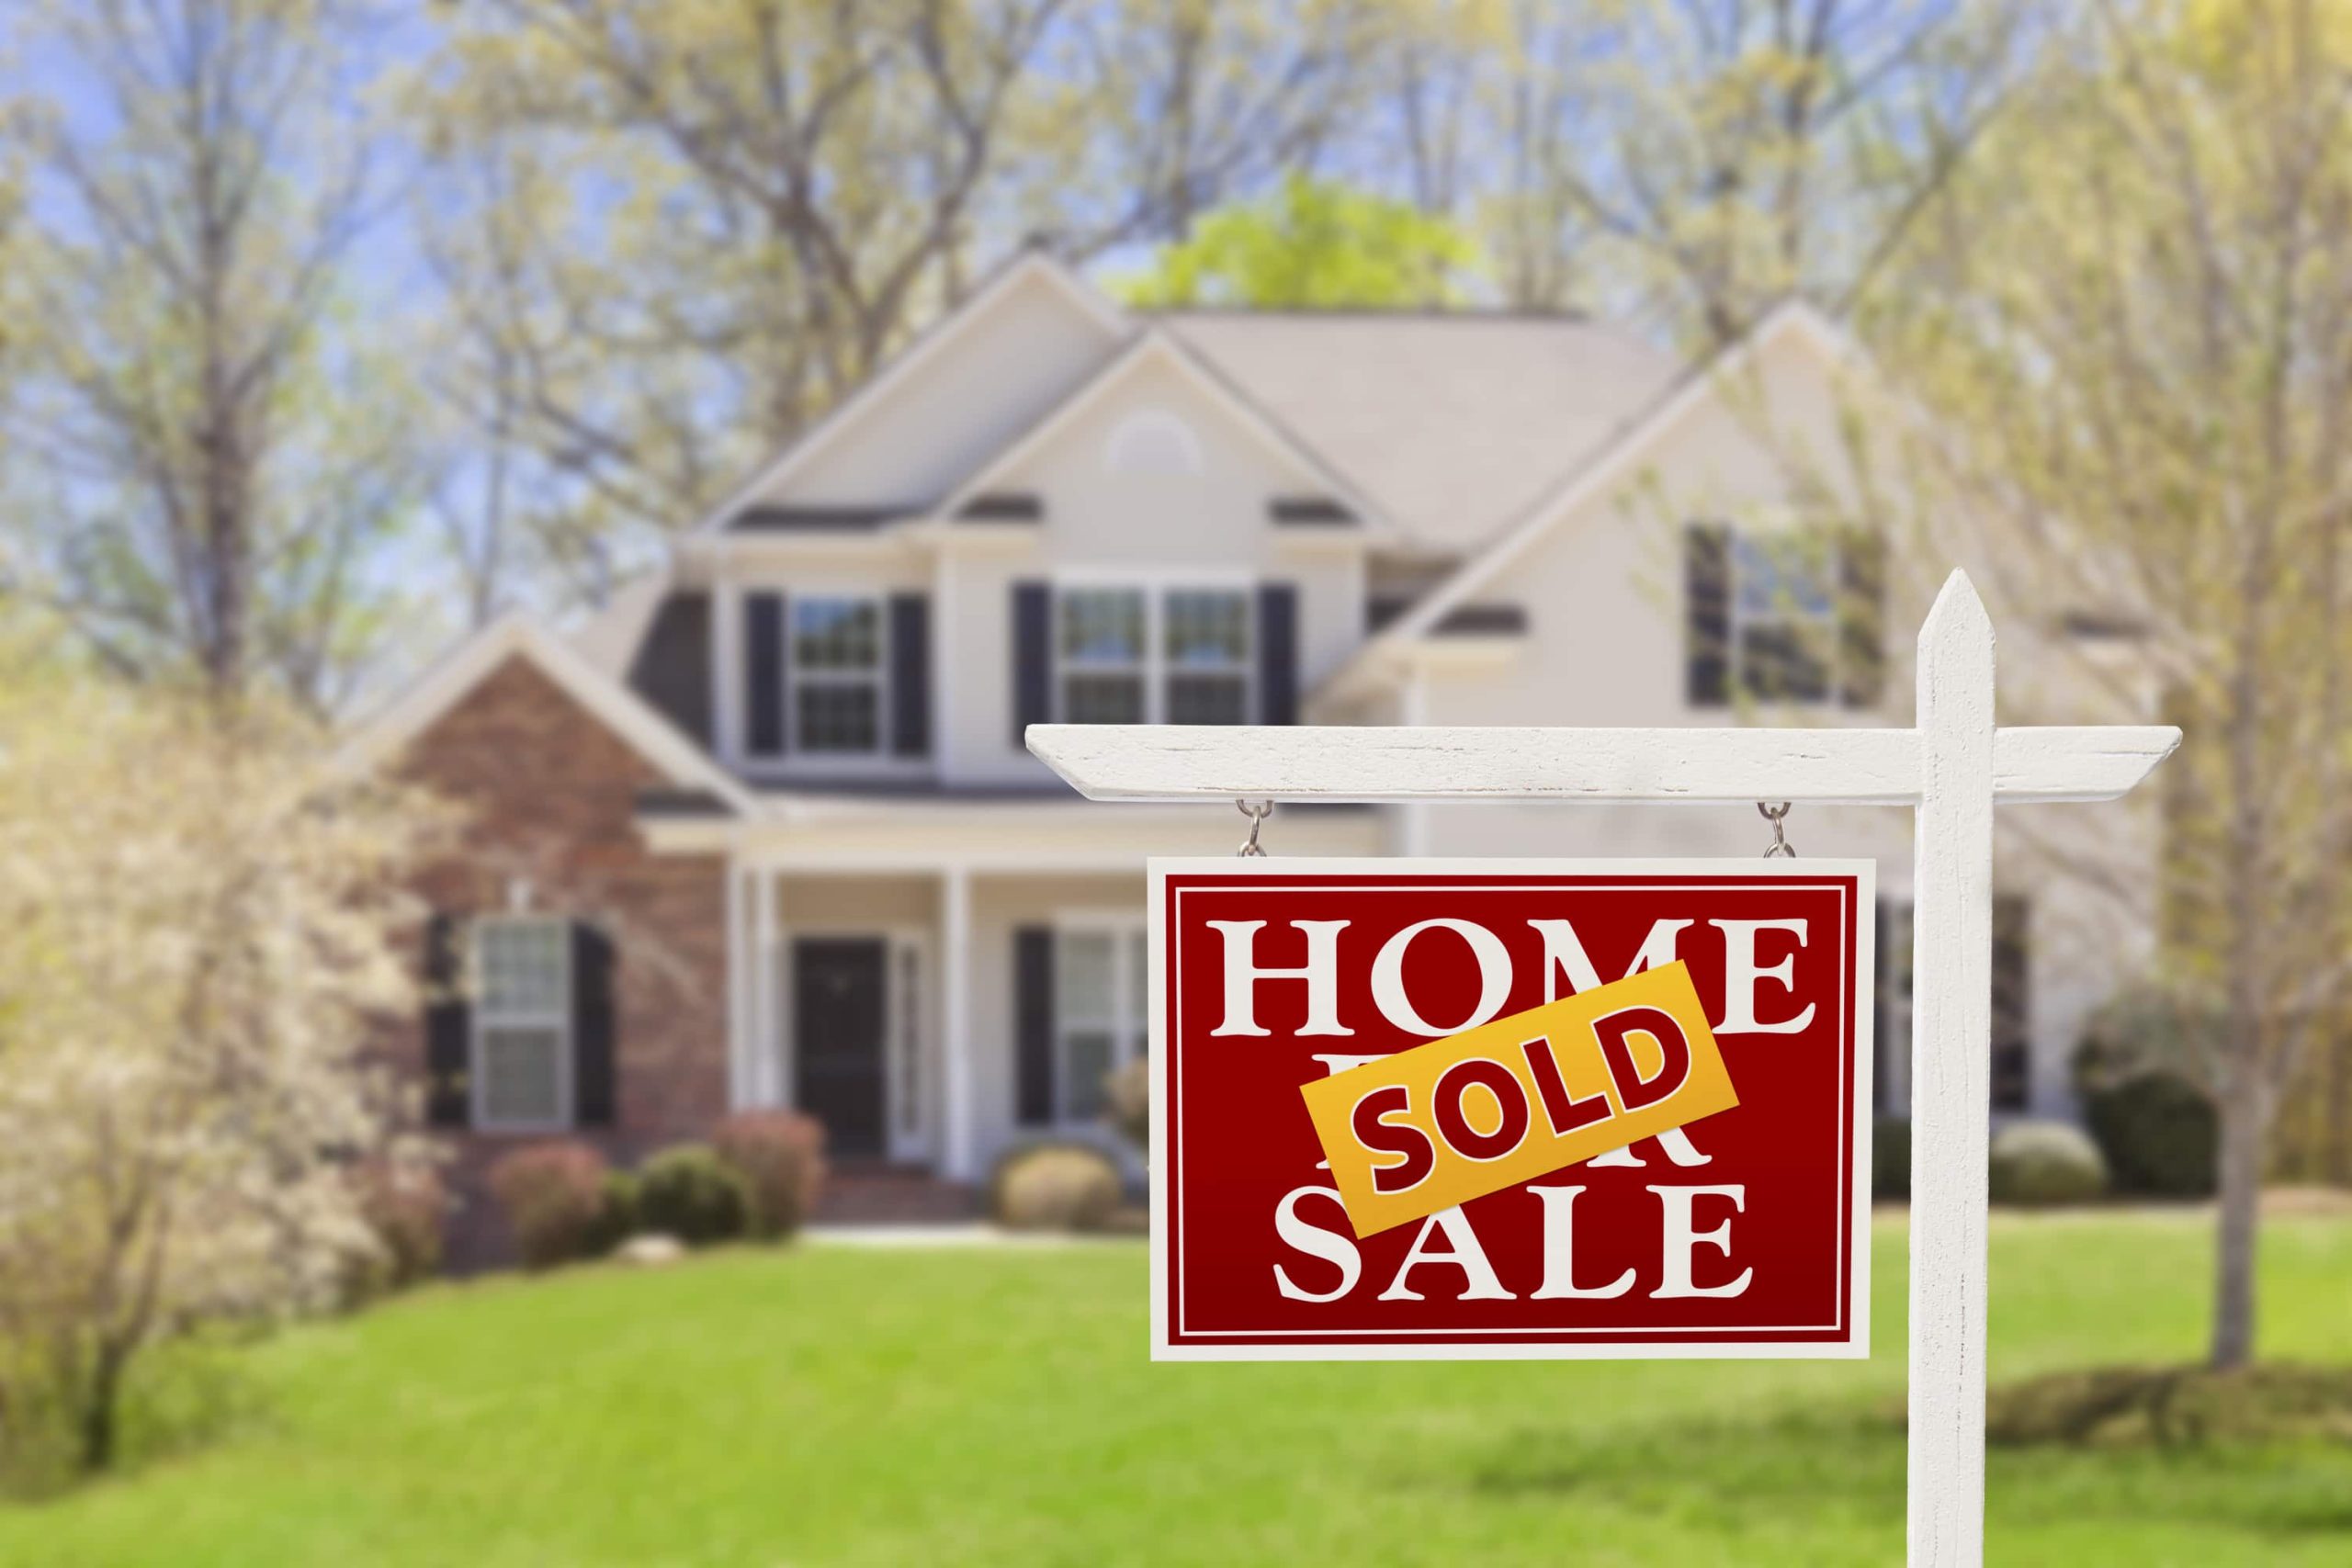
pixel 1861 767
pixel 1953 767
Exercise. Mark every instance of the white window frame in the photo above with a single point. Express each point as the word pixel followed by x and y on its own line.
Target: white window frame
pixel 1824 624
pixel 905 1020
pixel 797 675
pixel 481 1019
pixel 1154 667
pixel 1129 1026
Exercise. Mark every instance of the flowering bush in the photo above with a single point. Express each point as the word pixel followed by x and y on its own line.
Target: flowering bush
pixel 204 925
pixel 1063 1187
pixel 404 1208
pixel 780 1155
pixel 560 1201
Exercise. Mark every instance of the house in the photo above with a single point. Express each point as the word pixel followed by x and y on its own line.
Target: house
pixel 766 834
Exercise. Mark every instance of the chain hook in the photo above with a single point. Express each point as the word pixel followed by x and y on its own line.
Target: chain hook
pixel 1257 815
pixel 1780 848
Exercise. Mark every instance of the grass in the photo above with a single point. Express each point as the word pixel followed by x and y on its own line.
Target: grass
pixel 832 1406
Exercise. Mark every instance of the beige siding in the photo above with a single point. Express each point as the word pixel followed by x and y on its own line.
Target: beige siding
pixel 925 431
pixel 1111 512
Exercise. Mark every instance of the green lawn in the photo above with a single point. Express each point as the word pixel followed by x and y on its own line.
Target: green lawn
pixel 830 1405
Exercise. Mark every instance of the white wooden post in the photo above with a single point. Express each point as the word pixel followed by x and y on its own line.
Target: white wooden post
pixel 739 975
pixel 955 1020
pixel 1951 1078
pixel 769 1071
pixel 1953 767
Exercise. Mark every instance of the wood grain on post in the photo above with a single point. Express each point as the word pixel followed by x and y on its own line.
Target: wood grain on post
pixel 1951 1083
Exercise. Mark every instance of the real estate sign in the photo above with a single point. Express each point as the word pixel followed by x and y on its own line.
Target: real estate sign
pixel 1509 1109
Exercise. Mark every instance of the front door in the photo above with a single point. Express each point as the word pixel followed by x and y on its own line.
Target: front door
pixel 837 1006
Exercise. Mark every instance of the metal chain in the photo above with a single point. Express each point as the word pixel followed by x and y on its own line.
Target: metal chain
pixel 1257 815
pixel 1780 849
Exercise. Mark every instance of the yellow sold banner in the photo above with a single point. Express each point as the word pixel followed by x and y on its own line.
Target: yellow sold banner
pixel 1519 1097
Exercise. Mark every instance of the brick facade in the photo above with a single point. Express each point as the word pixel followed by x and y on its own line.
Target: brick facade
pixel 550 798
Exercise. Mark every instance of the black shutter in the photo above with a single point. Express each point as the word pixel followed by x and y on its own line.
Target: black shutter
pixel 910 675
pixel 448 1025
pixel 1706 612
pixel 672 666
pixel 2012 1003
pixel 1033 657
pixel 1277 653
pixel 592 1026
pixel 1033 1024
pixel 1861 617
pixel 763 672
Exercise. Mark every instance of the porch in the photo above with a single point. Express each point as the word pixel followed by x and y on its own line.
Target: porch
pixel 937 1003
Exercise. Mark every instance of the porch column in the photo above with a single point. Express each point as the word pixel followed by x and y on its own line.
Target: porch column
pixel 739 975
pixel 768 1078
pixel 957 1161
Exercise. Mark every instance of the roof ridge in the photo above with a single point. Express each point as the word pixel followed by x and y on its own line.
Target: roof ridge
pixel 1393 312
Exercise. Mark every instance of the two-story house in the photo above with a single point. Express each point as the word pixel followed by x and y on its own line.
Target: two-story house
pixel 765 832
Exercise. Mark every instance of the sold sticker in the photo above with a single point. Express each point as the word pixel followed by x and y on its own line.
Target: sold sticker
pixel 1421 1131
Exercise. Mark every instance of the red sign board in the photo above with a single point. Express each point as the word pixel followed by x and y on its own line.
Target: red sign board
pixel 1745 1232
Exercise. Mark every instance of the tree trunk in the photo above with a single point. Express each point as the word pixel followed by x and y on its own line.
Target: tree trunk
pixel 2338 1164
pixel 2240 1222
pixel 99 1410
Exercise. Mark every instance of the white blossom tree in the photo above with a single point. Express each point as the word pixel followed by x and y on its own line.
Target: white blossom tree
pixel 204 928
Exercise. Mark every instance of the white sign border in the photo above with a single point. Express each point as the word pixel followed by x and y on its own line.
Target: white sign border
pixel 1856 1343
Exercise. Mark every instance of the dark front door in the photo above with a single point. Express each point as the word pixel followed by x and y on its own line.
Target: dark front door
pixel 837 985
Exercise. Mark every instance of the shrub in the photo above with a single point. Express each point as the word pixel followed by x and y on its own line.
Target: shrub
pixel 1126 1095
pixel 780 1155
pixel 615 1217
pixel 2036 1162
pixel 556 1200
pixel 2158 1133
pixel 1891 1159
pixel 2149 1028
pixel 1063 1187
pixel 404 1208
pixel 687 1192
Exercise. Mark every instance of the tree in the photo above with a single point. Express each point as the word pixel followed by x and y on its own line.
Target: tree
pixel 1312 244
pixel 674 233
pixel 203 928
pixel 207 462
pixel 1695 161
pixel 2128 325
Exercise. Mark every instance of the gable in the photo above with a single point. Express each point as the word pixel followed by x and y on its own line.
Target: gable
pixel 518 734
pixel 1698 445
pixel 1157 450
pixel 950 401
pixel 1450 422
pixel 571 686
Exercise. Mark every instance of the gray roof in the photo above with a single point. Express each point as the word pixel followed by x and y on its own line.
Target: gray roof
pixel 1450 422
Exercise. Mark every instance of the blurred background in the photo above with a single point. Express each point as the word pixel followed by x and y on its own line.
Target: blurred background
pixel 546 1015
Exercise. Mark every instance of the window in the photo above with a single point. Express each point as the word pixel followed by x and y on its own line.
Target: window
pixel 1893 1073
pixel 1103 656
pixel 1131 655
pixel 2012 1038
pixel 2012 1003
pixel 522 1043
pixel 836 670
pixel 1783 616
pixel 1207 648
pixel 1791 614
pixel 1100 978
